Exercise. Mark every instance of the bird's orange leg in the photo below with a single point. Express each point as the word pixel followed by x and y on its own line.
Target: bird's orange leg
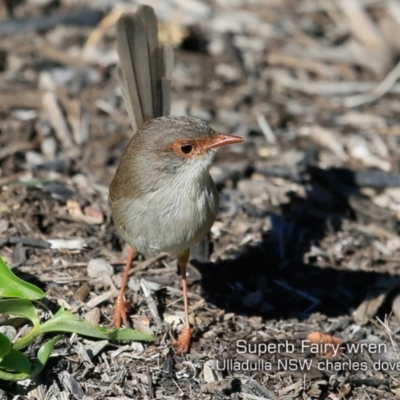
pixel 121 305
pixel 183 343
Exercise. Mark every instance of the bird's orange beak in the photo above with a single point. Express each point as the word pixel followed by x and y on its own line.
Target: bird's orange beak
pixel 224 140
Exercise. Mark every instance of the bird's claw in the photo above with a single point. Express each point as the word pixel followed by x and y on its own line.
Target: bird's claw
pixel 120 311
pixel 182 345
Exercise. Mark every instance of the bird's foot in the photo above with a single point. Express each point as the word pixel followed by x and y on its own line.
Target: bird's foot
pixel 120 314
pixel 182 345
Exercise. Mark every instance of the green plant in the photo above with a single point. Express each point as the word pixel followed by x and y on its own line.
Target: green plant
pixel 16 298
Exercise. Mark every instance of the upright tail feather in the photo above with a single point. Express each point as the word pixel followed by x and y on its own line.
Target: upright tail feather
pixel 145 68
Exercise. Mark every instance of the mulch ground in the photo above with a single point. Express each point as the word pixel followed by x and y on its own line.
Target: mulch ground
pixel 307 237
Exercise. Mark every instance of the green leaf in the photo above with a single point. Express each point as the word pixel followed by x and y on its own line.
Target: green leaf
pixel 22 308
pixel 43 355
pixel 33 183
pixel 16 361
pixel 37 367
pixel 12 286
pixel 65 321
pixel 5 346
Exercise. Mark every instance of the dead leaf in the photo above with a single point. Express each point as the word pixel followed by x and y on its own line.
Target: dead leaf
pixel 330 346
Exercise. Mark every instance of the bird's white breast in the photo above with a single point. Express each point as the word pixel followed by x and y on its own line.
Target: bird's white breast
pixel 173 218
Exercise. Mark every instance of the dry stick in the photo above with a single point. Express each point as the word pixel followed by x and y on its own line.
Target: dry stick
pixel 390 333
pixel 336 16
pixel 296 62
pixel 322 87
pixel 379 91
pixel 393 9
pixel 58 56
pixel 151 302
pixel 97 34
pixel 361 25
pixel 366 36
pixel 54 112
pixel 314 7
pixel 265 128
pixel 150 382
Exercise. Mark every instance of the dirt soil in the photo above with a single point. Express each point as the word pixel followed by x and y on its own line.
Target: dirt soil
pixel 306 244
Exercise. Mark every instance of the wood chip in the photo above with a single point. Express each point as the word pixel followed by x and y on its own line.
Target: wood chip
pixel 67 244
pixel 55 115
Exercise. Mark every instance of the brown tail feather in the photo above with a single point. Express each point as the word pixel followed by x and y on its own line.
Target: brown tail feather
pixel 145 67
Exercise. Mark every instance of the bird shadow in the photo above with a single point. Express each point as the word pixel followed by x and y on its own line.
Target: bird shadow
pixel 287 275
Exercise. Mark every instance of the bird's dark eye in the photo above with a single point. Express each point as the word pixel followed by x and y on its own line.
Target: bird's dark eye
pixel 186 148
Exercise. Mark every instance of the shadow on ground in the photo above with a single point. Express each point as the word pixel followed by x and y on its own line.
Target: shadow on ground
pixel 281 278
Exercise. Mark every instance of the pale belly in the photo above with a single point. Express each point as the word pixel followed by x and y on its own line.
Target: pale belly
pixel 157 224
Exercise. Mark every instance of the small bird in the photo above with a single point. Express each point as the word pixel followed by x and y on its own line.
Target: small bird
pixel 162 197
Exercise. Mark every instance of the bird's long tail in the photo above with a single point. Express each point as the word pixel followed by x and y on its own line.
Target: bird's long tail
pixel 145 67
